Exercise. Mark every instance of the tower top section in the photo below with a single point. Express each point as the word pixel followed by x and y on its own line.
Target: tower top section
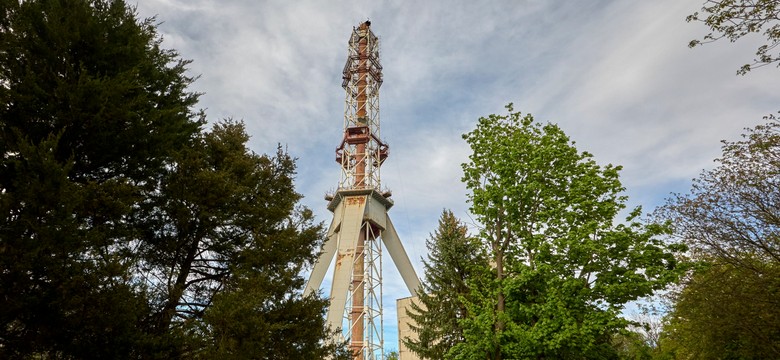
pixel 361 152
pixel 371 54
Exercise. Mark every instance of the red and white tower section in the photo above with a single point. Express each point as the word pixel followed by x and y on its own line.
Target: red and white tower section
pixel 361 228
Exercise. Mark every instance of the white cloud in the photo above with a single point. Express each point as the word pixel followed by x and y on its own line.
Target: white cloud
pixel 616 76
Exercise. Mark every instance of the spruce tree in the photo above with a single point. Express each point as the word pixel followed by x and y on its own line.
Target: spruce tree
pixel 452 257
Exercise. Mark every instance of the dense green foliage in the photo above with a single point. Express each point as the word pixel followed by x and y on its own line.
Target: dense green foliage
pixel 128 231
pixel 731 220
pixel 561 269
pixel 633 345
pixel 84 70
pixel 452 258
pixel 725 312
pixel 734 19
pixel 90 107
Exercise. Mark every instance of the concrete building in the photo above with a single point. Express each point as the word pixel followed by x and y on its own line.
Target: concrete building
pixel 405 330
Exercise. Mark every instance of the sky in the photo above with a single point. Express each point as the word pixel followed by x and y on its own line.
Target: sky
pixel 617 76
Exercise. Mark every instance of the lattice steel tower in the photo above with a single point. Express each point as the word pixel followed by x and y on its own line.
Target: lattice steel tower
pixel 360 223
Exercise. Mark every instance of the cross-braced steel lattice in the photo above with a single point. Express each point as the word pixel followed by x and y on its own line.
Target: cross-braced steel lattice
pixel 361 228
pixel 361 151
pixel 364 317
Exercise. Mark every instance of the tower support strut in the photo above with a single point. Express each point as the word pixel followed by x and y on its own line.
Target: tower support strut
pixel 361 227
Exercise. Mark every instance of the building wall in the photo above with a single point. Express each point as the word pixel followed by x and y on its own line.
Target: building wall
pixel 404 328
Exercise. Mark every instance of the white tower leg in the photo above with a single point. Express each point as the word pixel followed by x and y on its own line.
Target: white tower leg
pixel 328 251
pixel 400 259
pixel 360 215
pixel 352 210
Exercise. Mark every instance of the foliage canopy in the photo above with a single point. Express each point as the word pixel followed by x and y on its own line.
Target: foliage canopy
pixel 730 219
pixel 452 258
pixel 561 268
pixel 126 230
pixel 735 19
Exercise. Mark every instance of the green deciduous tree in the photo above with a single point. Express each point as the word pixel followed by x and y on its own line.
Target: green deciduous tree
pixel 732 212
pixel 562 269
pixel 452 257
pixel 725 312
pixel 731 221
pixel 734 19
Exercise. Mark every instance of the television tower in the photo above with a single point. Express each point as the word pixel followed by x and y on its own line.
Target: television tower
pixel 360 223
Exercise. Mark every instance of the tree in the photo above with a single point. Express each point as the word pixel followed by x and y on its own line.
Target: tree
pixel 734 19
pixel 732 213
pixel 228 239
pixel 452 256
pixel 90 69
pixel 127 231
pixel 90 109
pixel 393 355
pixel 641 340
pixel 731 220
pixel 259 317
pixel 725 312
pixel 631 345
pixel 63 296
pixel 215 201
pixel 561 269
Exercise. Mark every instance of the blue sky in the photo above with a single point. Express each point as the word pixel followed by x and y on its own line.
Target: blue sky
pixel 617 76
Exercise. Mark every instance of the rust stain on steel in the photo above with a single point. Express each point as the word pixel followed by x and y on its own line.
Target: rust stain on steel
pixel 356 200
pixel 338 260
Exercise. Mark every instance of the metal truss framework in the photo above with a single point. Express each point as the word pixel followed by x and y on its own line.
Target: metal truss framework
pixel 359 233
pixel 361 225
pixel 361 152
pixel 364 318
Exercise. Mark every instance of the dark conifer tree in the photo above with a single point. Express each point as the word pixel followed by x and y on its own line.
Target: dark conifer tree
pixel 453 256
pixel 126 231
pixel 90 110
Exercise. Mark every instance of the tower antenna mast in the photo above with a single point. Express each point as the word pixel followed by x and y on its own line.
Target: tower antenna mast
pixel 360 225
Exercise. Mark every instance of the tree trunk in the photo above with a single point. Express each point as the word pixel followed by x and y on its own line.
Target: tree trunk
pixel 175 294
pixel 499 249
pixel 500 303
